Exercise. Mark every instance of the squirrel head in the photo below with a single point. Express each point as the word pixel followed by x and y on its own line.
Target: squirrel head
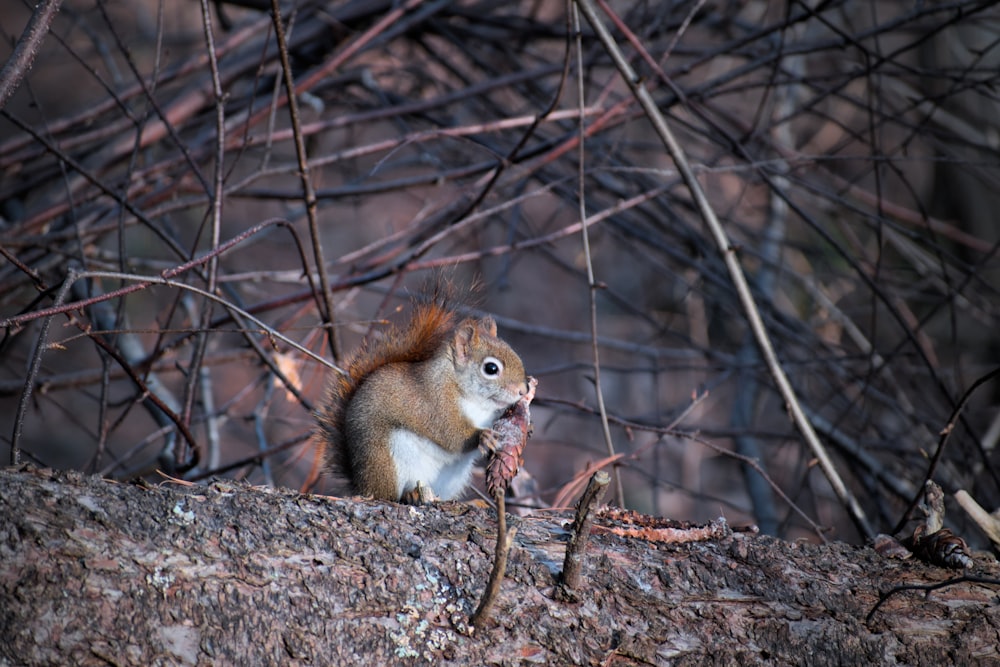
pixel 490 374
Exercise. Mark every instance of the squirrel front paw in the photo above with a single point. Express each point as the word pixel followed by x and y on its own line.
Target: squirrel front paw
pixel 489 441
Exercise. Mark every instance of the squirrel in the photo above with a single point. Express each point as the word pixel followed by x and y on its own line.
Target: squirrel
pixel 407 420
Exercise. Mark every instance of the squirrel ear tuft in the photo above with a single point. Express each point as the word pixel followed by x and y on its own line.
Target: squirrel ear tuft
pixel 466 336
pixel 488 325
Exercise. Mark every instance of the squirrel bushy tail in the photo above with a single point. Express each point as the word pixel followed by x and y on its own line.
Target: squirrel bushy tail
pixel 432 321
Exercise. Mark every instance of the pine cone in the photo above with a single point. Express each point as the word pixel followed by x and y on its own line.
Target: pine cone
pixel 508 438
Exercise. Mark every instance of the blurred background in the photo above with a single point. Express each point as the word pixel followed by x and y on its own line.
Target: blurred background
pixel 850 150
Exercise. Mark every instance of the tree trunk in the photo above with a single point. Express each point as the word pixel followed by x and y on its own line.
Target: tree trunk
pixel 95 572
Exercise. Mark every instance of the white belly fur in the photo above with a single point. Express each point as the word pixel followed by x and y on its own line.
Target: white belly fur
pixel 420 460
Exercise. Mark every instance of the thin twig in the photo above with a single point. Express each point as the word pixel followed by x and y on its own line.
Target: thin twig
pixel 505 538
pixel 194 370
pixel 928 588
pixel 29 381
pixel 592 285
pixel 325 297
pixel 31 39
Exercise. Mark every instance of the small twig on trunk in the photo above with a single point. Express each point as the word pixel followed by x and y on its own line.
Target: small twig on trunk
pixel 573 563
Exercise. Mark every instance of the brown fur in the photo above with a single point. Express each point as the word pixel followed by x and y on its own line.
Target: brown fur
pixel 431 324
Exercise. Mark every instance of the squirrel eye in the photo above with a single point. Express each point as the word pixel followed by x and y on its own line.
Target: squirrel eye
pixel 492 367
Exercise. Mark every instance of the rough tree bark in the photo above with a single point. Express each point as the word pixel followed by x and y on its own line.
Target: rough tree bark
pixel 95 572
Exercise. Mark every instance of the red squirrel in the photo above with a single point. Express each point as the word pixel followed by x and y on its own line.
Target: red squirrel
pixel 408 419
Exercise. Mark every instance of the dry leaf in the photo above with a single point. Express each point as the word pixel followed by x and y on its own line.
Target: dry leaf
pixel 289 367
